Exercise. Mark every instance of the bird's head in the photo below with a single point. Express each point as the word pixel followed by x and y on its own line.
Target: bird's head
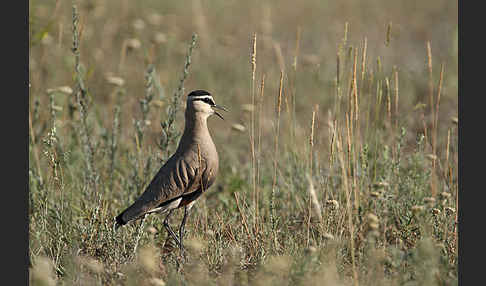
pixel 201 101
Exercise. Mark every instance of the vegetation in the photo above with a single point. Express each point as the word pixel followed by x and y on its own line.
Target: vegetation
pixel 338 160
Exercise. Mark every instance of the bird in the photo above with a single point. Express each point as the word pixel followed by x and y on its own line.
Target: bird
pixel 187 174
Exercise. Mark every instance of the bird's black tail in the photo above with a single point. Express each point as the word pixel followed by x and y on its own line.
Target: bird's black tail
pixel 119 221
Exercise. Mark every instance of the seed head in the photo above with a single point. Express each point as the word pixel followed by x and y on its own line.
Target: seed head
pixel 61 89
pixel 450 210
pixel 431 157
pixel 333 204
pixel 445 195
pixel 115 80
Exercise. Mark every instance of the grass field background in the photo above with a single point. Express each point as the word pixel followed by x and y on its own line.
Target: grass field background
pixel 338 158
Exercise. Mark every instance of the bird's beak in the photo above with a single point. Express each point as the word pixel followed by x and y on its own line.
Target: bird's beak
pixel 220 108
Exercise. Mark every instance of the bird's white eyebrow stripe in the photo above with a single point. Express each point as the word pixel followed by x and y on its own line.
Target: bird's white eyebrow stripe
pixel 202 98
pixel 192 98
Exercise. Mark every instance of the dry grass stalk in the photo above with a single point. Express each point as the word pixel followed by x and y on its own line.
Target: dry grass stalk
pixel 259 146
pixel 317 207
pixel 345 38
pixel 253 57
pixel 355 87
pixel 123 53
pixel 431 84
pixel 279 104
pixel 355 130
pixel 297 47
pixel 274 183
pixel 396 99
pixel 363 61
pixel 315 201
pixel 243 217
pixel 332 140
pixel 332 129
pixel 424 125
pixel 311 137
pixel 350 103
pixel 388 99
pixel 349 137
pixel 436 118
pixel 338 63
pixel 347 191
pixel 388 34
pixel 435 114
pixel 252 126
pixel 279 55
pixel 312 195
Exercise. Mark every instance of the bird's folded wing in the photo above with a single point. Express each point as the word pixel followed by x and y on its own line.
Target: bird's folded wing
pixel 177 177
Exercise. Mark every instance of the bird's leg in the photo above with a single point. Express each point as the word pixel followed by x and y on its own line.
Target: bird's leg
pixel 181 228
pixel 169 229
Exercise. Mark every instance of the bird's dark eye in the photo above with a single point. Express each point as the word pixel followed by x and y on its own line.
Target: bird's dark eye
pixel 209 101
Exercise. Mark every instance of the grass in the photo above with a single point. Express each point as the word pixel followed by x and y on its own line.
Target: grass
pixel 342 170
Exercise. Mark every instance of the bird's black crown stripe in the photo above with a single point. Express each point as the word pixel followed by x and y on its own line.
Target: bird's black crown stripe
pixel 199 92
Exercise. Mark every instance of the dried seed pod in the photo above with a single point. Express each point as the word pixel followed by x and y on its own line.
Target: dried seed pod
pixel 238 127
pixel 115 80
